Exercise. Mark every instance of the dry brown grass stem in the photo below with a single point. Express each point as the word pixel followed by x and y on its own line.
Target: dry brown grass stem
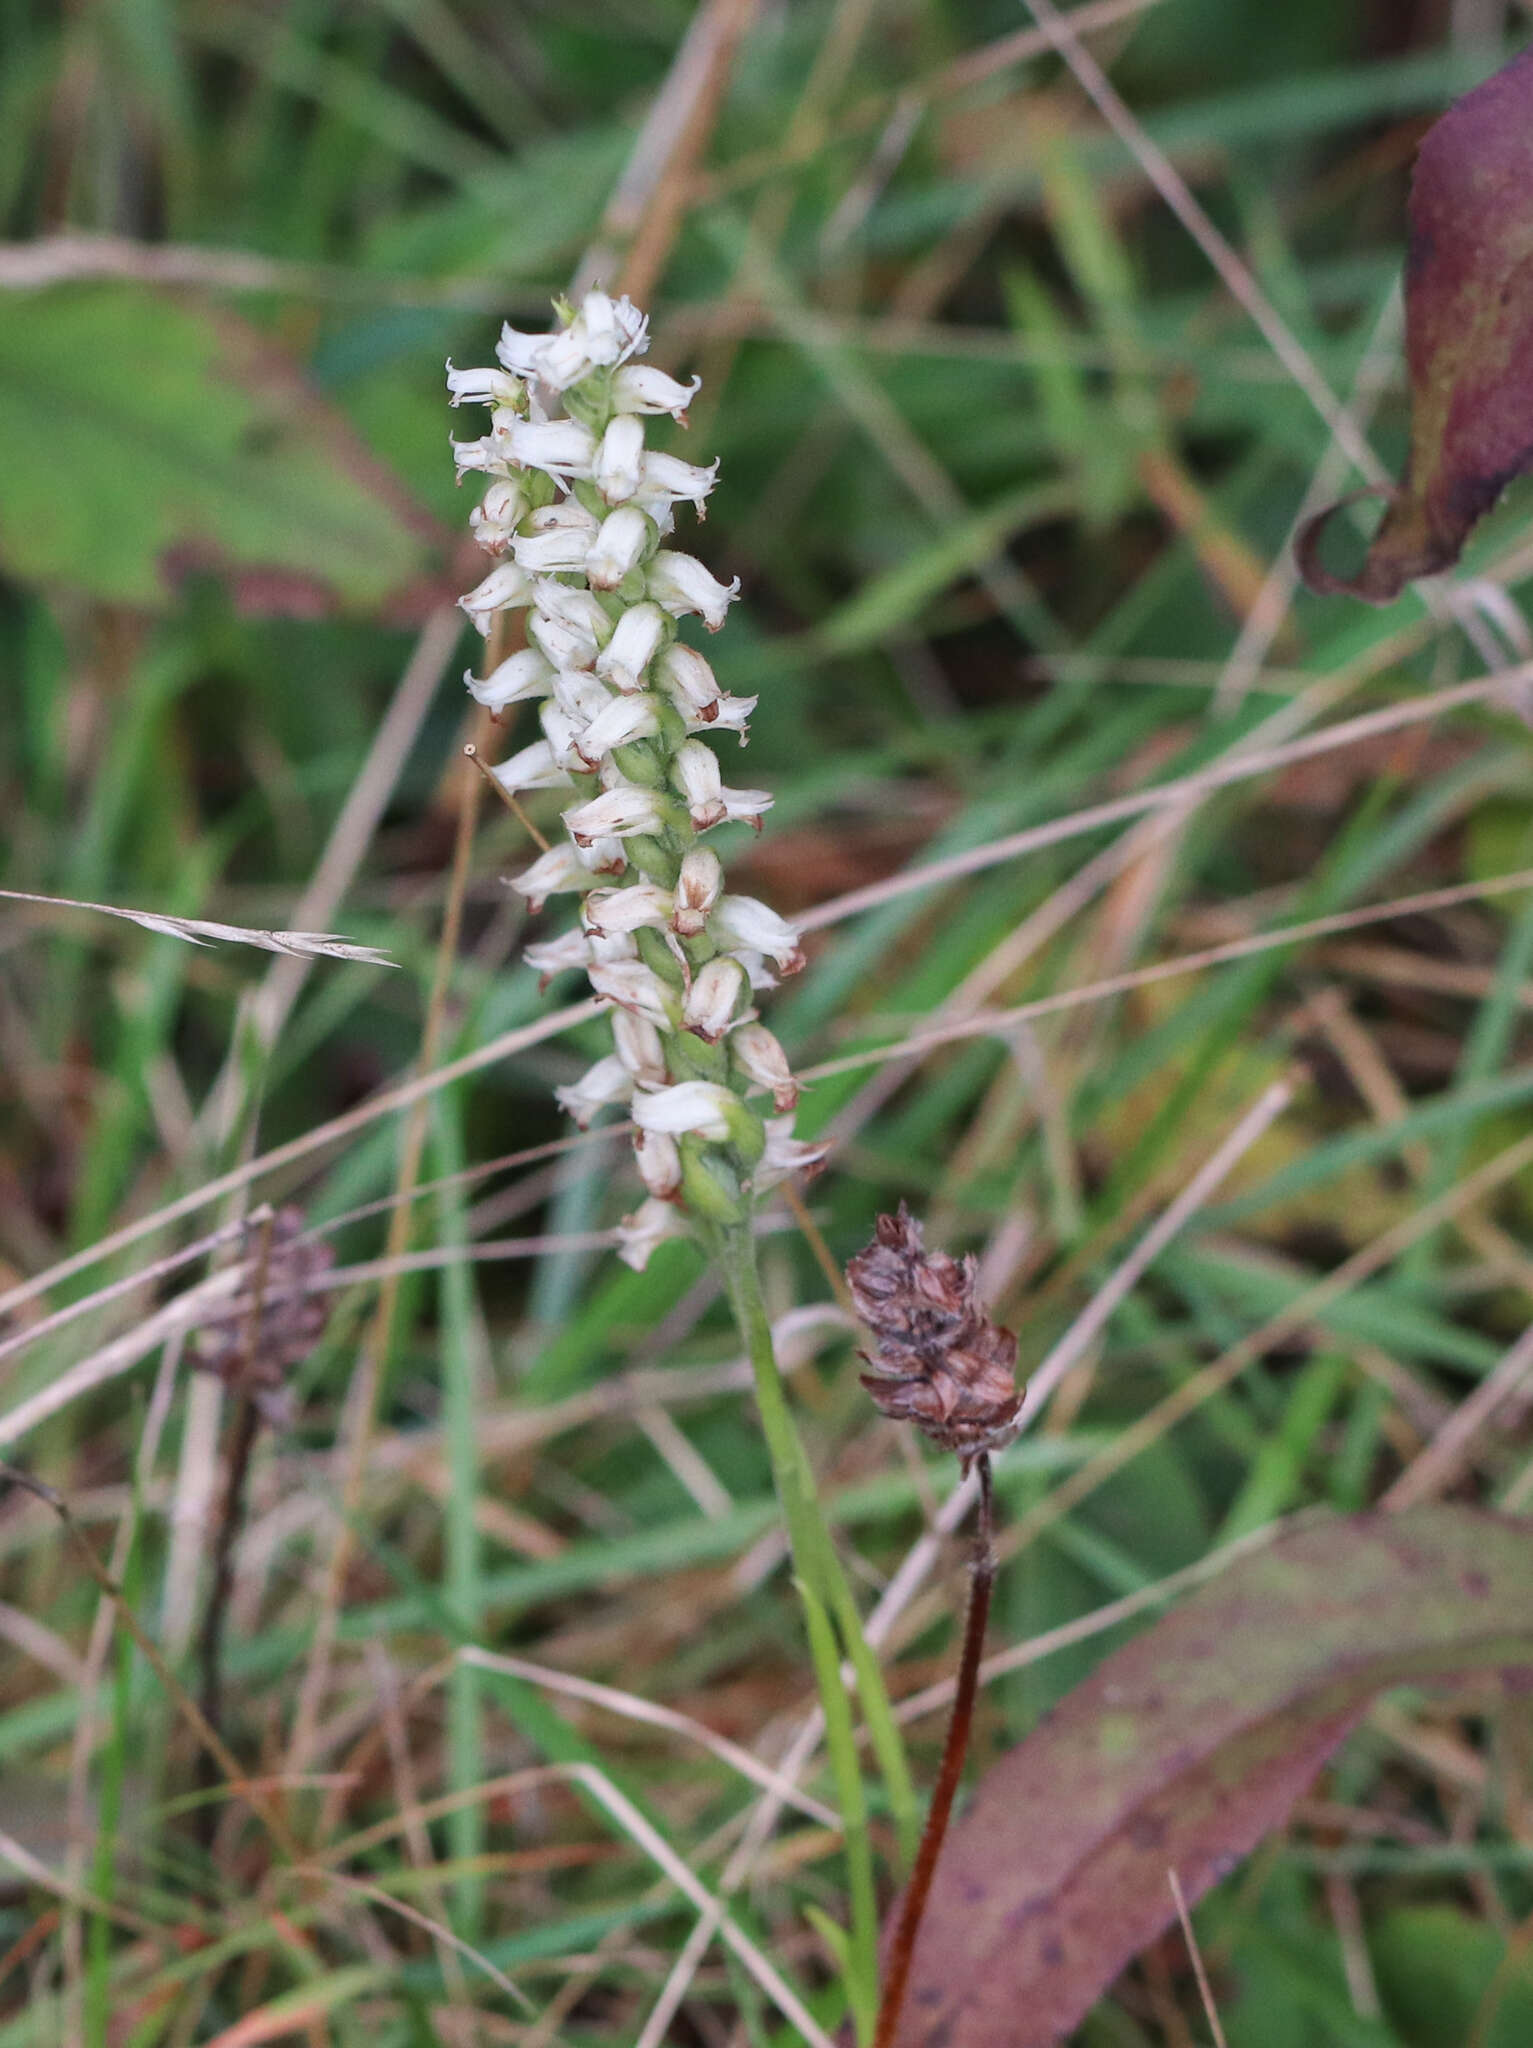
pixel 1239 765
pixel 994 1022
pixel 207 1736
pixel 1205 1989
pixel 1241 283
pixel 401 1096
pixel 362 1397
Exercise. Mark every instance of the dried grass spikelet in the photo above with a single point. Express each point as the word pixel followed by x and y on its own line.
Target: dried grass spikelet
pixel 940 1362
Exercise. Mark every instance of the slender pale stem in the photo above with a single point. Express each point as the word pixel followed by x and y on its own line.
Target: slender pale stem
pixel 913 1905
pixel 821 1587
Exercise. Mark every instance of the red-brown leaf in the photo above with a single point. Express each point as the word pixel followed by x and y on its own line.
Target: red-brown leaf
pixel 1188 1746
pixel 1469 339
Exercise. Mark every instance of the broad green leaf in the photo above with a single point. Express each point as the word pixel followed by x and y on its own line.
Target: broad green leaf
pixel 1184 1749
pixel 146 440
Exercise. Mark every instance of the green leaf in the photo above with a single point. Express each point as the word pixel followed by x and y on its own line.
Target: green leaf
pixel 147 440
pixel 1435 1966
pixel 1184 1749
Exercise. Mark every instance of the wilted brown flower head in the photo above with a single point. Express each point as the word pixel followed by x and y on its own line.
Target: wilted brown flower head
pixel 940 1363
pixel 255 1357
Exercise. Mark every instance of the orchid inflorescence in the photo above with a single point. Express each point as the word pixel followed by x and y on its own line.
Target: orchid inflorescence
pixel 577 512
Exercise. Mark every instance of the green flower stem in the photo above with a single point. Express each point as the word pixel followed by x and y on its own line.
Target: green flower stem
pixel 824 1593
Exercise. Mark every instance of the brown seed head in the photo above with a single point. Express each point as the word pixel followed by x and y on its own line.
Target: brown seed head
pixel 940 1362
pixel 255 1339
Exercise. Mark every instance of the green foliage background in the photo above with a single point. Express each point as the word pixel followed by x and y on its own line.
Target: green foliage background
pixel 1004 471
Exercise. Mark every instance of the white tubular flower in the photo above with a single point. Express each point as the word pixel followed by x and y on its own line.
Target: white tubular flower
pixel 517 678
pixel 697 890
pixel 535 767
pixel 562 448
pixel 635 640
pixel 633 986
pixel 643 906
pixel 759 1056
pixel 638 388
pixel 557 956
pixel 703 1107
pixel 619 547
pixel 603 857
pixel 562 643
pixel 579 510
pixel 711 1001
pixel 564 735
pixel 669 477
pixel 558 541
pixel 603 332
pixel 619 724
pixel 640 1048
pixel 520 352
pixel 785 1155
pixel 579 694
pixel 607 1082
pixel 485 455
pixel 689 683
pixel 708 801
pixel 581 610
pixel 560 869
pixel 504 587
pixel 619 467
pixel 494 520
pixel 615 814
pixel 659 1164
pixel 680 584
pixel 744 924
pixel 697 772
pixel 649 1225
pixel 484 387
pixel 608 946
pixel 730 714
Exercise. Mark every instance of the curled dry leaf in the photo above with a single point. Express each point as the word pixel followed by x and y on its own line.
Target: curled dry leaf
pixel 1469 340
pixel 1187 1746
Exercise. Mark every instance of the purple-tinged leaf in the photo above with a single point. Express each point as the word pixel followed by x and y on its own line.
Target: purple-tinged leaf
pixel 1185 1748
pixel 1469 339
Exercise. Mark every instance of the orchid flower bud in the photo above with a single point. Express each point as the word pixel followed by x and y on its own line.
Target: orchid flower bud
pixel 668 476
pixel 520 676
pixel 504 586
pixel 659 1163
pixel 640 1048
pixel 638 388
pixel 615 814
pixel 757 1053
pixel 703 1107
pixel 635 639
pixel 710 1003
pixel 697 890
pixel 649 1226
pixel 680 584
pixel 619 467
pixel 618 548
pixel 559 869
pixel 533 768
pixel 744 922
pixel 607 1082
pixel 644 906
pixel 633 986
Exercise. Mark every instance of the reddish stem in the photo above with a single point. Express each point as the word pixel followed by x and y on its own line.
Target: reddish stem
pixel 913 1906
